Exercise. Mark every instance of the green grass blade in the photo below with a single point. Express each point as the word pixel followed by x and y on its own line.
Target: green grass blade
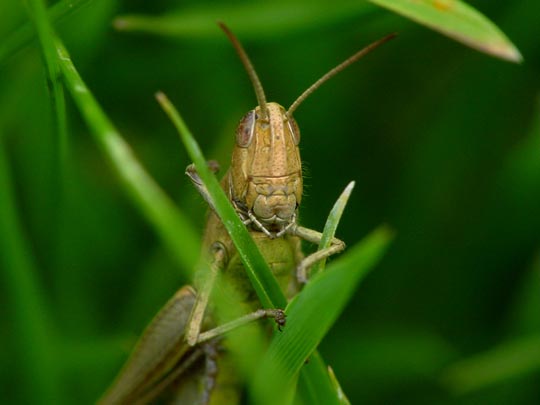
pixel 38 15
pixel 24 34
pixel 509 360
pixel 341 395
pixel 174 229
pixel 261 277
pixel 32 324
pixel 312 312
pixel 250 20
pixel 459 21
pixel 315 385
pixel 331 225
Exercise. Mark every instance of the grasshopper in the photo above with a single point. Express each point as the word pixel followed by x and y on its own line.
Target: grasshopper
pixel 173 360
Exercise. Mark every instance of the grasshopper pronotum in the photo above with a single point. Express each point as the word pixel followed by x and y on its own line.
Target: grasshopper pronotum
pixel 173 359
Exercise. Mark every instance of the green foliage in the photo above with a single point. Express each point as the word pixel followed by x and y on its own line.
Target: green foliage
pixel 437 137
pixel 510 360
pixel 457 20
pixel 310 315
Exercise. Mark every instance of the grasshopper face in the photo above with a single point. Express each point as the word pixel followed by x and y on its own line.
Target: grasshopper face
pixel 266 171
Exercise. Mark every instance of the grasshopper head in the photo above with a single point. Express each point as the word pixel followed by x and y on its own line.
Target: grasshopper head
pixel 266 171
pixel 265 179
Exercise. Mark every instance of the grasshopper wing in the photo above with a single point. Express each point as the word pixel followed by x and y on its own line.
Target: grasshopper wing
pixel 159 351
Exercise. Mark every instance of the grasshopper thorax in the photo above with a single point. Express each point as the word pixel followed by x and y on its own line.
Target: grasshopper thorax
pixel 266 172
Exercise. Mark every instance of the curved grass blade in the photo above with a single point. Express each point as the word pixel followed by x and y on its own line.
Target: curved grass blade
pixel 508 360
pixel 311 314
pixel 174 229
pixel 457 20
pixel 341 395
pixel 319 388
pixel 331 225
pixel 250 20
pixel 39 17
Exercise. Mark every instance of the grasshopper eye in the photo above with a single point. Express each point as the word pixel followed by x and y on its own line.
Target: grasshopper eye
pixel 244 132
pixel 295 131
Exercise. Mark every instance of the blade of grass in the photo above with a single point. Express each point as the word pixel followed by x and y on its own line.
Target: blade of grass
pixel 261 277
pixel 315 385
pixel 174 229
pixel 508 360
pixel 341 395
pixel 459 21
pixel 38 15
pixel 250 20
pixel 32 323
pixel 311 314
pixel 331 225
pixel 320 388
pixel 24 34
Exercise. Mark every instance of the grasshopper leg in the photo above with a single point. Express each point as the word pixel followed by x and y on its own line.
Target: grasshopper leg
pixel 218 260
pixel 211 370
pixel 193 330
pixel 314 237
pixel 277 314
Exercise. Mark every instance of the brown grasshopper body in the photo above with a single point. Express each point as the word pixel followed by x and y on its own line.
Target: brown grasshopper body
pixel 173 360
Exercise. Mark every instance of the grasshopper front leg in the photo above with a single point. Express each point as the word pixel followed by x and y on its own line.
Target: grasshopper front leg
pixel 193 331
pixel 310 235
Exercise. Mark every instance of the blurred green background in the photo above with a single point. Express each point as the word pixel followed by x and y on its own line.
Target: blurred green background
pixel 442 141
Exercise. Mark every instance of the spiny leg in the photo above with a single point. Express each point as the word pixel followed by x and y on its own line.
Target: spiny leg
pixel 218 260
pixel 314 237
pixel 277 314
pixel 193 330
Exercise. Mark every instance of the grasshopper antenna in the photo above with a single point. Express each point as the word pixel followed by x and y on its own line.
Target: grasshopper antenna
pixel 257 86
pixel 336 70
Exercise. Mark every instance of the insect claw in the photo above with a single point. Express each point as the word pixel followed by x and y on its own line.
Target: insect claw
pixel 280 318
pixel 301 274
pixel 213 165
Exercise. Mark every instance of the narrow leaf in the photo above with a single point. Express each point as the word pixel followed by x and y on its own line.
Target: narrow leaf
pixel 250 20
pixel 312 312
pixel 331 225
pixel 341 395
pixel 457 20
pixel 39 17
pixel 509 360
